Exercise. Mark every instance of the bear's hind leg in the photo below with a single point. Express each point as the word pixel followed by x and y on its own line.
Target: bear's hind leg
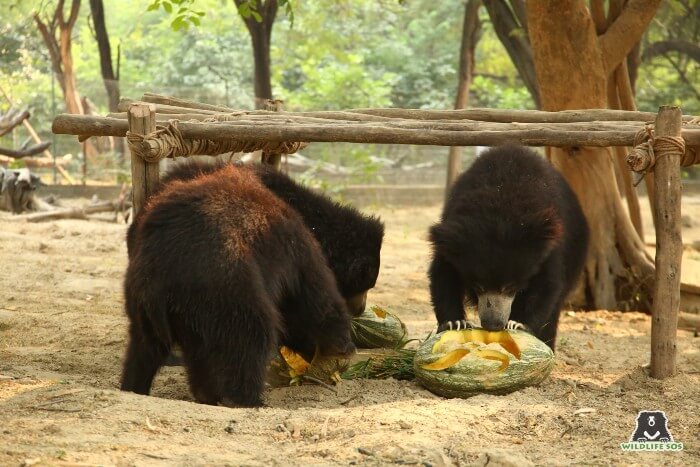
pixel 144 356
pixel 228 364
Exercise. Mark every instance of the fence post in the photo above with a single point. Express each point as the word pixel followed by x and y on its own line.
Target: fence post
pixel 144 175
pixel 669 244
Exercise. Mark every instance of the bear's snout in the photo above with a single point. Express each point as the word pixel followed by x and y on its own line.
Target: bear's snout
pixel 494 310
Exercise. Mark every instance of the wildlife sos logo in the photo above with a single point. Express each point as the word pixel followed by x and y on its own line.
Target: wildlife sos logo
pixel 651 433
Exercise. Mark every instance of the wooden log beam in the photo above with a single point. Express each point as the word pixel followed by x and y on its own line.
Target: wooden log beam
pixel 12 119
pixel 30 151
pixel 34 162
pixel 482 114
pixel 144 175
pixel 689 322
pixel 74 213
pixel 460 125
pixel 379 133
pixel 669 247
pixel 175 101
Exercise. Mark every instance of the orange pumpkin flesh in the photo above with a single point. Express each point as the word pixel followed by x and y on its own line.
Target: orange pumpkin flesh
pixel 446 361
pixel 474 336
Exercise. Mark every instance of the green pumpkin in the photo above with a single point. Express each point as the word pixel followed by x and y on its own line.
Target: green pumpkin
pixel 474 361
pixel 377 328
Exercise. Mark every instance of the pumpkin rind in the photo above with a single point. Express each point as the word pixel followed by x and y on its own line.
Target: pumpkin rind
pixel 482 370
pixel 376 328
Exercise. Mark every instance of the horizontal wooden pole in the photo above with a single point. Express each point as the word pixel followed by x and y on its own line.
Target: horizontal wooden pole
pixel 378 133
pixel 280 118
pixel 480 114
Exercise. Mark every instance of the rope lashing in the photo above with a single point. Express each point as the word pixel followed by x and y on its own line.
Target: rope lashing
pixel 167 141
pixel 648 147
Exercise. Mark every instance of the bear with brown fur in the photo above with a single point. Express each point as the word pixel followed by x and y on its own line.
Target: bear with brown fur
pixel 226 270
pixel 350 240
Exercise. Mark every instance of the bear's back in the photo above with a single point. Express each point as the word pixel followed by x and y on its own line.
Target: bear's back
pixel 225 212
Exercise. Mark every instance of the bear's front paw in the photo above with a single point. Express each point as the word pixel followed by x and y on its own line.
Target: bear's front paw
pixel 514 325
pixel 455 325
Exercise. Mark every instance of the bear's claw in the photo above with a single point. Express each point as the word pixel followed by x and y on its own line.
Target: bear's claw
pixel 514 325
pixel 455 325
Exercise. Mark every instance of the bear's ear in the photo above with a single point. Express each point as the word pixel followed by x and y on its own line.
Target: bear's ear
pixel 448 237
pixel 547 225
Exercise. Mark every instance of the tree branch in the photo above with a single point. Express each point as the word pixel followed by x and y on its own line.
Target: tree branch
pixel 11 120
pixel 102 38
pixel 58 14
pixel 30 151
pixel 270 12
pixel 51 44
pixel 520 11
pixel 517 44
pixel 598 15
pixel 688 48
pixel 74 10
pixel 621 36
pixel 683 76
pixel 249 21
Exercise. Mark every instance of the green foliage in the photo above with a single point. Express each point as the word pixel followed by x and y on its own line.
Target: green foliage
pixel 184 15
pixel 673 77
pixel 338 54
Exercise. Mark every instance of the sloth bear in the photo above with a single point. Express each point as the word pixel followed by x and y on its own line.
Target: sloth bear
pixel 350 241
pixel 228 271
pixel 512 240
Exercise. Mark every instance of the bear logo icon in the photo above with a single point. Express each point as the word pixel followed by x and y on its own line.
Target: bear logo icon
pixel 652 426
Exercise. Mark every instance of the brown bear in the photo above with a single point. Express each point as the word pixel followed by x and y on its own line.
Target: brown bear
pixel 226 270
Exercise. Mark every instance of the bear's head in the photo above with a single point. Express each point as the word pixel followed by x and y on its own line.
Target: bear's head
pixel 497 253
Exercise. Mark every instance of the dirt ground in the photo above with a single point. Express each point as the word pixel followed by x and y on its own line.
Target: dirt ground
pixel 62 336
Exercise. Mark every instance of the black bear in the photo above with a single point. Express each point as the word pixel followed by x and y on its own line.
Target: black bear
pixel 226 270
pixel 512 240
pixel 350 241
pixel 652 426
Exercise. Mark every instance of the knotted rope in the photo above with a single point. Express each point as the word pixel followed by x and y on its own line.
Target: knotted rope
pixel 648 148
pixel 167 141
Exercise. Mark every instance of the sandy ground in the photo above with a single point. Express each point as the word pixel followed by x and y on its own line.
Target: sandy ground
pixel 62 335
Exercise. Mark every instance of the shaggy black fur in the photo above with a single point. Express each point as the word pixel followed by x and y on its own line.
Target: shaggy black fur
pixel 350 240
pixel 511 227
pixel 224 269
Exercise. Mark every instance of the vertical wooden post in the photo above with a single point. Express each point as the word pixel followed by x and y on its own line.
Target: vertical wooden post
pixel 144 175
pixel 274 160
pixel 84 162
pixel 669 248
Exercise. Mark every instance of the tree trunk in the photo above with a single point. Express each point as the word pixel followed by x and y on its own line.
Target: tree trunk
pixel 260 35
pixel 60 51
pixel 71 96
pixel 567 50
pixel 513 35
pixel 111 80
pixel 470 36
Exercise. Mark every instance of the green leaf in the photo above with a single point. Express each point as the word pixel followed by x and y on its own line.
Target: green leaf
pixel 194 20
pixel 167 7
pixel 256 15
pixel 244 10
pixel 153 6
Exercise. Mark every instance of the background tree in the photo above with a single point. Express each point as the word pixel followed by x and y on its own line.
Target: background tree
pixel 57 35
pixel 470 37
pixel 567 49
pixel 509 20
pixel 259 17
pixel 110 78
